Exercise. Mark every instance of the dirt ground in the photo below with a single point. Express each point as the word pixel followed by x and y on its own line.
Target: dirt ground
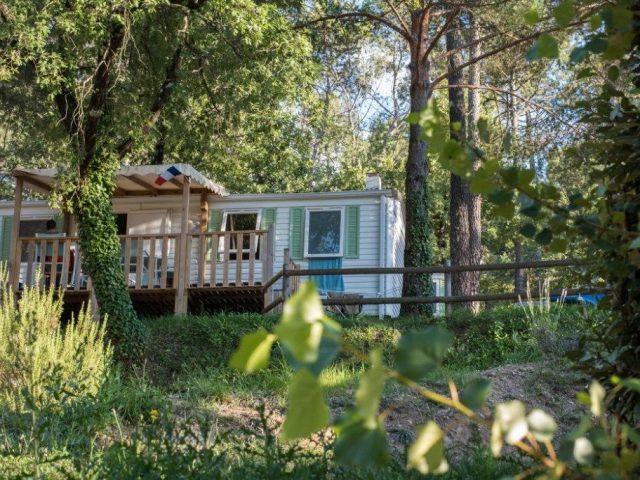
pixel 537 385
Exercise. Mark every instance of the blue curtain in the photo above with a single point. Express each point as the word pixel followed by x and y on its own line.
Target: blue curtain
pixel 327 283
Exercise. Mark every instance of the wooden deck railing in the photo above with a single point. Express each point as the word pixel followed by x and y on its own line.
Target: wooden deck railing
pixel 216 259
pixel 227 259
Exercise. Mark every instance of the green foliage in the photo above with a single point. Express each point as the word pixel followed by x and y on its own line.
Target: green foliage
pixel 42 361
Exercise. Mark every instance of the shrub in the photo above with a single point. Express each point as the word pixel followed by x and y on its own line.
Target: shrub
pixel 40 361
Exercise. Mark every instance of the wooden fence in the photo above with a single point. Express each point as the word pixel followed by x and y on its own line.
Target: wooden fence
pixel 291 271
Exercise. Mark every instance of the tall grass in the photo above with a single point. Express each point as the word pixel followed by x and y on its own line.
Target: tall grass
pixel 42 362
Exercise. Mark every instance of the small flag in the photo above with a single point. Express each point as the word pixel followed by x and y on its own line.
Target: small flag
pixel 167 175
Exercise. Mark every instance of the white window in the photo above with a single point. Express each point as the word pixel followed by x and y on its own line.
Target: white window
pixel 240 221
pixel 324 231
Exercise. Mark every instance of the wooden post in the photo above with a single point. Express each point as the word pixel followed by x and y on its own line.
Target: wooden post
pixel 447 287
pixel 66 224
pixel 267 243
pixel 204 212
pixel 285 278
pixel 180 266
pixel 14 260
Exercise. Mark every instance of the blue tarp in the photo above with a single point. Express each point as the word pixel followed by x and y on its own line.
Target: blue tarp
pixel 589 299
pixel 327 283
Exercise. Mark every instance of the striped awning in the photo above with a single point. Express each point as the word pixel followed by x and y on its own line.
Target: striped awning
pixel 133 180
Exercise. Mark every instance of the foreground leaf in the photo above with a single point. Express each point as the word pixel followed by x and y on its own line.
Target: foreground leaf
pixel 254 351
pixel 419 353
pixel 307 411
pixel 371 386
pixel 475 393
pixel 361 442
pixel 426 453
pixel 541 425
pixel 511 419
pixel 300 328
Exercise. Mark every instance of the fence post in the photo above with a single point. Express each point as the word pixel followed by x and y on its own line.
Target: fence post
pixel 285 278
pixel 447 286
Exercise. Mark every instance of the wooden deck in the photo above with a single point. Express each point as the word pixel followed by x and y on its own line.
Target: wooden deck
pixel 218 271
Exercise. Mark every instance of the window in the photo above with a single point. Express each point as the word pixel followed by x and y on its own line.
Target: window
pixel 237 222
pixel 324 232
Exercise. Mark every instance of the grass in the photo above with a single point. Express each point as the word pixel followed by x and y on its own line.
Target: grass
pixel 132 426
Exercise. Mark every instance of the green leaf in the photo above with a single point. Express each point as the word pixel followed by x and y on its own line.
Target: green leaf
pixel 596 396
pixel 632 384
pixel 594 22
pixel 300 328
pixel 475 393
pixel 254 351
pixel 371 386
pixel 361 442
pixel 544 237
pixel 327 350
pixel 532 16
pixel 597 45
pixel 564 12
pixel 558 245
pixel 307 410
pixel 426 453
pixel 541 425
pixel 544 47
pixel 613 73
pixel 419 353
pixel 529 230
pixel 635 243
pixel 510 417
pixel 506 210
pixel 482 182
pixel 483 130
pixel 579 55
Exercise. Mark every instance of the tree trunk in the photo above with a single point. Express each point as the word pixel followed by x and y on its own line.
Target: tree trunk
pixel 519 282
pixel 417 251
pixel 101 253
pixel 475 203
pixel 459 194
pixel 91 202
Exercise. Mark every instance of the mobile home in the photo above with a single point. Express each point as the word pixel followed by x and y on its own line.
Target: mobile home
pixel 234 243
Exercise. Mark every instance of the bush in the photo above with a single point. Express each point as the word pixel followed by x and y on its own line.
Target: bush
pixel 40 361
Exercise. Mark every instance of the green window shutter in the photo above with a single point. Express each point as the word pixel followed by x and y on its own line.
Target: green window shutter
pixel 215 220
pixel 296 233
pixel 352 232
pixel 5 241
pixel 268 218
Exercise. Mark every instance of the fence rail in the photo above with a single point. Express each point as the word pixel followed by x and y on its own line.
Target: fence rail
pixel 293 272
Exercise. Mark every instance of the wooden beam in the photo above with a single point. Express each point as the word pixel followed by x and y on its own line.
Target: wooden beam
pixel 176 182
pixel 204 212
pixel 180 266
pixel 147 186
pixel 14 260
pixel 36 183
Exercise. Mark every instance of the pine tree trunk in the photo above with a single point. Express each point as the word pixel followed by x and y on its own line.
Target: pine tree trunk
pixel 417 250
pixel 459 195
pixel 475 203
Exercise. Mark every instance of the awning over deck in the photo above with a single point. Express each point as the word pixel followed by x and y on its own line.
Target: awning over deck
pixel 131 181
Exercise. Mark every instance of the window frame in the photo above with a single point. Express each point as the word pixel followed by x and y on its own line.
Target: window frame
pixel 223 229
pixel 307 223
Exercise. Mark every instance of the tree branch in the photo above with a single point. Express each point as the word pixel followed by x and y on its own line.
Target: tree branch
pixel 509 92
pixel 403 24
pixel 160 102
pixel 369 15
pixel 99 96
pixel 441 32
pixel 501 48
